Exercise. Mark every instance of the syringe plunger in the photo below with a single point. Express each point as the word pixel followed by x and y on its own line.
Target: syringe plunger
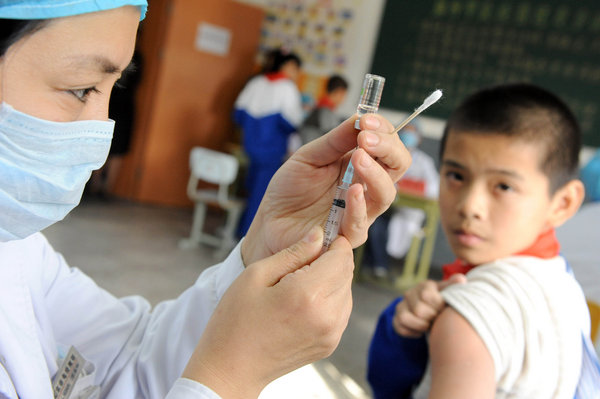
pixel 332 226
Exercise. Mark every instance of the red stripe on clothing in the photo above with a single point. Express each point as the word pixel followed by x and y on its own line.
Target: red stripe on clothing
pixel 325 102
pixel 275 76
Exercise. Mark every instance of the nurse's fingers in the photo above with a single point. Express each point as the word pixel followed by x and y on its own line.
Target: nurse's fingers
pixel 340 140
pixel 380 192
pixel 386 147
pixel 355 223
pixel 333 270
pixel 323 288
pixel 292 258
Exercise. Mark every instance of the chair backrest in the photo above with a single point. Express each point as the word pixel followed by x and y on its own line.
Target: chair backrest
pixel 213 166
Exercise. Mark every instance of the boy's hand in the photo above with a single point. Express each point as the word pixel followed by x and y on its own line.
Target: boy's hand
pixel 421 305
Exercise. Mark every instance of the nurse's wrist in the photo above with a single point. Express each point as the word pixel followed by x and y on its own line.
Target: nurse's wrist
pixel 222 382
pixel 253 247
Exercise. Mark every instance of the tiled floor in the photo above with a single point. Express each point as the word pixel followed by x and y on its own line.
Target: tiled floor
pixel 132 249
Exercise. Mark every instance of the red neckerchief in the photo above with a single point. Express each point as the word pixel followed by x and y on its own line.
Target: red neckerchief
pixel 546 246
pixel 275 76
pixel 325 102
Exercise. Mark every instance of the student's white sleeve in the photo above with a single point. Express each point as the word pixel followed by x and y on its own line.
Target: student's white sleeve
pixel 138 352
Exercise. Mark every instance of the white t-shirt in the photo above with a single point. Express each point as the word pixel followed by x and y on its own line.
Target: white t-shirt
pixel 530 314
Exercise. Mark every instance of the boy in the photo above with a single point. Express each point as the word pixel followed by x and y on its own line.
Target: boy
pixel 519 326
pixel 323 118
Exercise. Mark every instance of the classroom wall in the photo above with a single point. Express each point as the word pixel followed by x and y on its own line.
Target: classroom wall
pixel 195 64
pixel 363 33
pixel 363 36
pixel 360 33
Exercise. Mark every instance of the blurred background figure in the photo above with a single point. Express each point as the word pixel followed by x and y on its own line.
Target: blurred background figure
pixel 590 175
pixel 268 110
pixel 323 118
pixel 392 232
pixel 121 109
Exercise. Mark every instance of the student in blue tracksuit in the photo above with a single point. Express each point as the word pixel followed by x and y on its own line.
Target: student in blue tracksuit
pixel 268 109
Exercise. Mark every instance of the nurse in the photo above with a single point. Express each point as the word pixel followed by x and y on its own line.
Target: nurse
pixel 273 305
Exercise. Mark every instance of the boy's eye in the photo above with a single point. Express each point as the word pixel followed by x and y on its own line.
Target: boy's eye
pixel 454 176
pixel 82 94
pixel 504 187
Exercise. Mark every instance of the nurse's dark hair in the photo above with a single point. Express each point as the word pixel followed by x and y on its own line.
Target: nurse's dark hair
pixel 11 30
pixel 526 113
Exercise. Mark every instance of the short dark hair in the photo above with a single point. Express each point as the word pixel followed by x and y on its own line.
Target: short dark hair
pixel 336 82
pixel 11 30
pixel 278 57
pixel 526 112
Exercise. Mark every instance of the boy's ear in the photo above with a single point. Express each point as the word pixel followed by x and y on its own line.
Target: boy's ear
pixel 566 201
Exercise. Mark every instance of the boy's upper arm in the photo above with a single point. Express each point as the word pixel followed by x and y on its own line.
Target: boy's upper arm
pixel 461 365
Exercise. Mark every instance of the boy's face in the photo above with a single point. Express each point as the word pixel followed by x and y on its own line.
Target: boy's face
pixel 291 70
pixel 494 199
pixel 338 96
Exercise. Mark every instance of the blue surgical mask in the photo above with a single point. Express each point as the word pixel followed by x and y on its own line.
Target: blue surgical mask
pixel 409 139
pixel 44 167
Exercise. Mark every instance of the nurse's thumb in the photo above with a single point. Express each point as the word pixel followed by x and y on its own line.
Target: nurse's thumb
pixel 295 256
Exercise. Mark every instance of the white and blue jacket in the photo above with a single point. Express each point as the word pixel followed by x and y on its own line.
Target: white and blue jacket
pixel 268 109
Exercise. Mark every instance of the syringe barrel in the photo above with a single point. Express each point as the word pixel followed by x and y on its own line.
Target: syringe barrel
pixel 332 226
pixel 370 96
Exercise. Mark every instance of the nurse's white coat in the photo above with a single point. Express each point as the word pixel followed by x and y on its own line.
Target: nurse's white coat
pixel 138 352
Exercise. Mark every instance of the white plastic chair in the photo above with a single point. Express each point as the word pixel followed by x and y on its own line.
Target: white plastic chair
pixel 221 169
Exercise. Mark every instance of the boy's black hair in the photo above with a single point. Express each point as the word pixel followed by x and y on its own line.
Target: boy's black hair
pixel 529 113
pixel 336 82
pixel 11 30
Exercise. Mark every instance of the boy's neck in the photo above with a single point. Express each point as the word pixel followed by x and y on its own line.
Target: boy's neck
pixel 546 246
pixel 272 76
pixel 325 102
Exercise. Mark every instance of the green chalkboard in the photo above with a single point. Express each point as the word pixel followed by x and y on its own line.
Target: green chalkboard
pixel 462 45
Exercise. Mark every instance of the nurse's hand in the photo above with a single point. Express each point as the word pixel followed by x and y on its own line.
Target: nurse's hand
pixel 281 313
pixel 300 194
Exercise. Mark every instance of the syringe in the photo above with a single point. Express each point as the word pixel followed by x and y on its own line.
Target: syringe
pixel 336 212
pixel 332 226
pixel 370 97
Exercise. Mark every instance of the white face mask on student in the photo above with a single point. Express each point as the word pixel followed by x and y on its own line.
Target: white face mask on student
pixel 44 167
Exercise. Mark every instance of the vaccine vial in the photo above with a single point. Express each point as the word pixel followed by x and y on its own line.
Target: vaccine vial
pixel 370 95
